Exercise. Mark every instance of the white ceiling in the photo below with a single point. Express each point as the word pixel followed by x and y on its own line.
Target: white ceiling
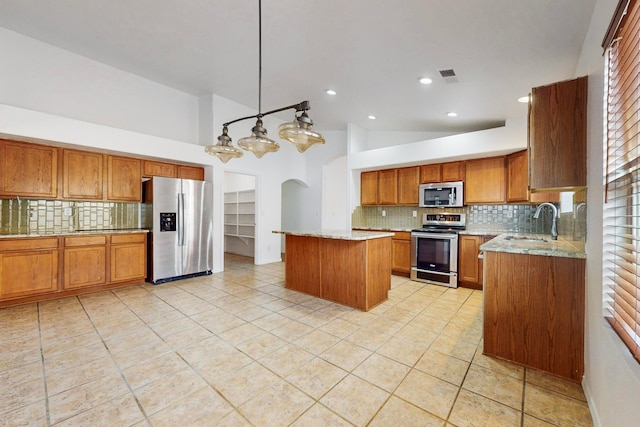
pixel 370 52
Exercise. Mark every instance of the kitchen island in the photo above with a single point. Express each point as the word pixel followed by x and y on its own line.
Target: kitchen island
pixel 348 267
pixel 534 302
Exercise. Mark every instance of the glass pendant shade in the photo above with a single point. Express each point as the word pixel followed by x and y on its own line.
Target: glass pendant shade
pixel 258 143
pixel 223 149
pixel 299 133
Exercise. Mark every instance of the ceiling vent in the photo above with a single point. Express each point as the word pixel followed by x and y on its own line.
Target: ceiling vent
pixel 449 75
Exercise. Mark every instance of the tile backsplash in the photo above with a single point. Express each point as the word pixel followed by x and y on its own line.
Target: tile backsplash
pixel 24 216
pixel 498 218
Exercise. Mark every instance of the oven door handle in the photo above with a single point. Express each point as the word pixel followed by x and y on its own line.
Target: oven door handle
pixel 435 235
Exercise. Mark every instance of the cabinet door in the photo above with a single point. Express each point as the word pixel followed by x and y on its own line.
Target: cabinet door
pixel 388 187
pixel 124 179
pixel 517 177
pixel 191 172
pixel 84 266
pixel 151 168
pixel 485 180
pixel 468 264
pixel 369 188
pixel 401 256
pixel 430 173
pixel 28 273
pixel 128 262
pixel 28 170
pixel 558 135
pixel 82 175
pixel 453 171
pixel 408 182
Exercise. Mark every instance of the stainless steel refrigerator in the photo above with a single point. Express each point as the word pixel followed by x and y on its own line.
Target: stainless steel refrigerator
pixel 181 237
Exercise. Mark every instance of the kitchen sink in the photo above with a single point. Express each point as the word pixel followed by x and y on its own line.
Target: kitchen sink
pixel 526 239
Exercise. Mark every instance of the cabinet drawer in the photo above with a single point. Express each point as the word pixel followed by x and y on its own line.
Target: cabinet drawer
pixel 402 235
pixel 29 244
pixel 127 238
pixel 85 240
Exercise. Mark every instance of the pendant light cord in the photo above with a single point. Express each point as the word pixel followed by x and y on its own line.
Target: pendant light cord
pixel 259 58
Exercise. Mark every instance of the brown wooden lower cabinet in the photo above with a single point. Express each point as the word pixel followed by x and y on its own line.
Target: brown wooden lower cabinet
pixel 28 267
pixel 470 267
pixel 356 273
pixel 85 261
pixel 534 311
pixel 401 253
pixel 128 257
pixel 35 269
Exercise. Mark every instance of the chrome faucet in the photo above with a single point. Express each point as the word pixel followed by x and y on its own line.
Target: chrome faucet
pixel 554 224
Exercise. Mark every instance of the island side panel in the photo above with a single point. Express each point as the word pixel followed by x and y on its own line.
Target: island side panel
pixel 378 271
pixel 535 315
pixel 342 264
pixel 302 265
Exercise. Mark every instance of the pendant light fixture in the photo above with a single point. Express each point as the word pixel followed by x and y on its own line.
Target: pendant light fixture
pixel 299 132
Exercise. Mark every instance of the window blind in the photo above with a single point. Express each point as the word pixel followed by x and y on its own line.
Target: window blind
pixel 621 222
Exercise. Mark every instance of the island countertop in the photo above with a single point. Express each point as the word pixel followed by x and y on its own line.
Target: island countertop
pixel 535 244
pixel 338 234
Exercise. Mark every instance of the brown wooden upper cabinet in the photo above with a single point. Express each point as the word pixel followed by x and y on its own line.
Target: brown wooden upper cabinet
pixel 442 172
pixel 369 188
pixel 517 181
pixel 408 183
pixel 430 173
pixel 152 168
pixel 388 187
pixel 485 181
pixel 191 172
pixel 28 170
pixel 558 136
pixel 124 179
pixel 82 175
pixel 170 170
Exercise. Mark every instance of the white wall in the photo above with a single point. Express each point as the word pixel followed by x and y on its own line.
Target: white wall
pixel 381 139
pixel 336 214
pixel 41 77
pixel 612 377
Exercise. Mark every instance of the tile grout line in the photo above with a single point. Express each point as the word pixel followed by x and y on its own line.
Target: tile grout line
pixel 44 369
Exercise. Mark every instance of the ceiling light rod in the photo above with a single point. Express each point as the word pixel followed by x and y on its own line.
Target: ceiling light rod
pixel 299 131
pixel 302 106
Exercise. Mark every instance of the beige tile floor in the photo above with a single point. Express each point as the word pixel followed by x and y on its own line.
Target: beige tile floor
pixel 237 349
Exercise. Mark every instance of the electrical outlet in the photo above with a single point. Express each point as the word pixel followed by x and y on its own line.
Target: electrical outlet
pixel 415 214
pixel 509 214
pixel 384 213
pixel 66 212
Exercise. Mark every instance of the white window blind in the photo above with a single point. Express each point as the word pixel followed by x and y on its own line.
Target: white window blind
pixel 621 239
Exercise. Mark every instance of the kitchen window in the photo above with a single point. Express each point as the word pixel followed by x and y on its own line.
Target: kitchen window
pixel 621 221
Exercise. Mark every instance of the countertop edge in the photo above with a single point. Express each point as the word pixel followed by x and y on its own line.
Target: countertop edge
pixel 73 233
pixel 555 248
pixel 337 234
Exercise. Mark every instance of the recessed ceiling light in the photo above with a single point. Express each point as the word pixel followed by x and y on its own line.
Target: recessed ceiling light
pixel 524 99
pixel 425 80
pixel 372 117
pixel 330 92
pixel 452 114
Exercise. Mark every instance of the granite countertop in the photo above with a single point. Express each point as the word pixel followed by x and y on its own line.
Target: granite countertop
pixel 76 233
pixel 338 234
pixel 529 245
pixel 386 228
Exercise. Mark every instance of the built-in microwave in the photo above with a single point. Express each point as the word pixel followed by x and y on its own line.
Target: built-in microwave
pixel 442 195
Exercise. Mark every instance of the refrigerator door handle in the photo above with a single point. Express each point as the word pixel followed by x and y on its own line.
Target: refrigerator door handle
pixel 180 219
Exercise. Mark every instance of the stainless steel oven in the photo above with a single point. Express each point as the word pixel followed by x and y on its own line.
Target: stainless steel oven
pixel 434 249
